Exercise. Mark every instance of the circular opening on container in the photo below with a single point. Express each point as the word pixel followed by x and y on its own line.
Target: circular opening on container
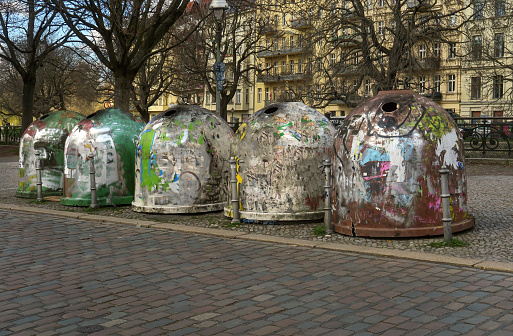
pixel 44 117
pixel 389 107
pixel 169 113
pixel 271 110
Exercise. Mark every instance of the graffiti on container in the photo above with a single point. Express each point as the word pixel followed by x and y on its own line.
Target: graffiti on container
pixel 386 161
pixel 282 147
pixel 110 135
pixel 46 135
pixel 182 162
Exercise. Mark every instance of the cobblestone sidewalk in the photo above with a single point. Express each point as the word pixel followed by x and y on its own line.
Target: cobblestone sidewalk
pixel 62 276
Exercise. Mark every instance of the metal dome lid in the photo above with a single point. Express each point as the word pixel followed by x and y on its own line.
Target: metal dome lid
pixel 182 162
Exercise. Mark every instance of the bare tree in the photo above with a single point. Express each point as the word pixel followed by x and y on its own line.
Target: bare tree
pixel 64 81
pixel 123 34
pixel 30 30
pixel 372 45
pixel 242 29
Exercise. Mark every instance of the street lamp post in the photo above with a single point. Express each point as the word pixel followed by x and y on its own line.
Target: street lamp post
pixel 218 7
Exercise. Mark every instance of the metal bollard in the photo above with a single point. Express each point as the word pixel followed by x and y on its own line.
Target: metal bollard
pixel 327 196
pixel 446 209
pixel 92 181
pixel 39 178
pixel 235 195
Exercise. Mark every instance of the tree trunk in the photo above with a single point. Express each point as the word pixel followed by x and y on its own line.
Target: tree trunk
pixel 122 90
pixel 223 108
pixel 29 89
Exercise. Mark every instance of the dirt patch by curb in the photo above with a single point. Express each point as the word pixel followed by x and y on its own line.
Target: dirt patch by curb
pixel 8 150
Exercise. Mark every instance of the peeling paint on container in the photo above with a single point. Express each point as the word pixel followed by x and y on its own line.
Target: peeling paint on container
pixel 48 135
pixel 387 158
pixel 282 147
pixel 182 162
pixel 110 135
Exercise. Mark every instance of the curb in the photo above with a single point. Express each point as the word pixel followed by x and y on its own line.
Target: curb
pixel 382 252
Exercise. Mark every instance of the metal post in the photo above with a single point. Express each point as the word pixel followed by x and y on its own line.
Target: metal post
pixel 235 196
pixel 327 196
pixel 446 217
pixel 39 179
pixel 219 29
pixel 92 181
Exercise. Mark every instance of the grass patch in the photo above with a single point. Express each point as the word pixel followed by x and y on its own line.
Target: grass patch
pixel 232 225
pixel 455 242
pixel 319 230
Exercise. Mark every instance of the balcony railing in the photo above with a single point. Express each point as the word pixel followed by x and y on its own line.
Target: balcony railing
pixel 301 23
pixel 286 76
pixel 284 51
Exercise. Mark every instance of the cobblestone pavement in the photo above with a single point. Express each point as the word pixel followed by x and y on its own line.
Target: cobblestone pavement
pixel 71 277
pixel 489 189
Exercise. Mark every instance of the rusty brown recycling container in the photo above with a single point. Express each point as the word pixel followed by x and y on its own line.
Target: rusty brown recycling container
pixel 386 163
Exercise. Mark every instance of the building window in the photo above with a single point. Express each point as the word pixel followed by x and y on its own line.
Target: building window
pixel 478 9
pixel 291 66
pixel 332 59
pixel 237 97
pixel 452 50
pixel 367 87
pixel 207 99
pixel 422 51
pixel 275 69
pixel 356 57
pixel 475 88
pixel 267 94
pixel 437 81
pixel 300 66
pixel 436 50
pixel 291 41
pixel 284 67
pixel 477 47
pixel 310 65
pixel 381 3
pixel 247 96
pixel 381 28
pixel 500 7
pixel 498 87
pixel 422 84
pixel 259 95
pixel 498 45
pixel 451 83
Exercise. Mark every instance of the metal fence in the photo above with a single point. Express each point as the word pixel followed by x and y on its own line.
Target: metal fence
pixel 487 137
pixel 10 135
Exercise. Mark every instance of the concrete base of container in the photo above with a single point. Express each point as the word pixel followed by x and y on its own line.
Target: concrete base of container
pixel 348 230
pixel 276 216
pixel 29 194
pixel 169 209
pixel 124 200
